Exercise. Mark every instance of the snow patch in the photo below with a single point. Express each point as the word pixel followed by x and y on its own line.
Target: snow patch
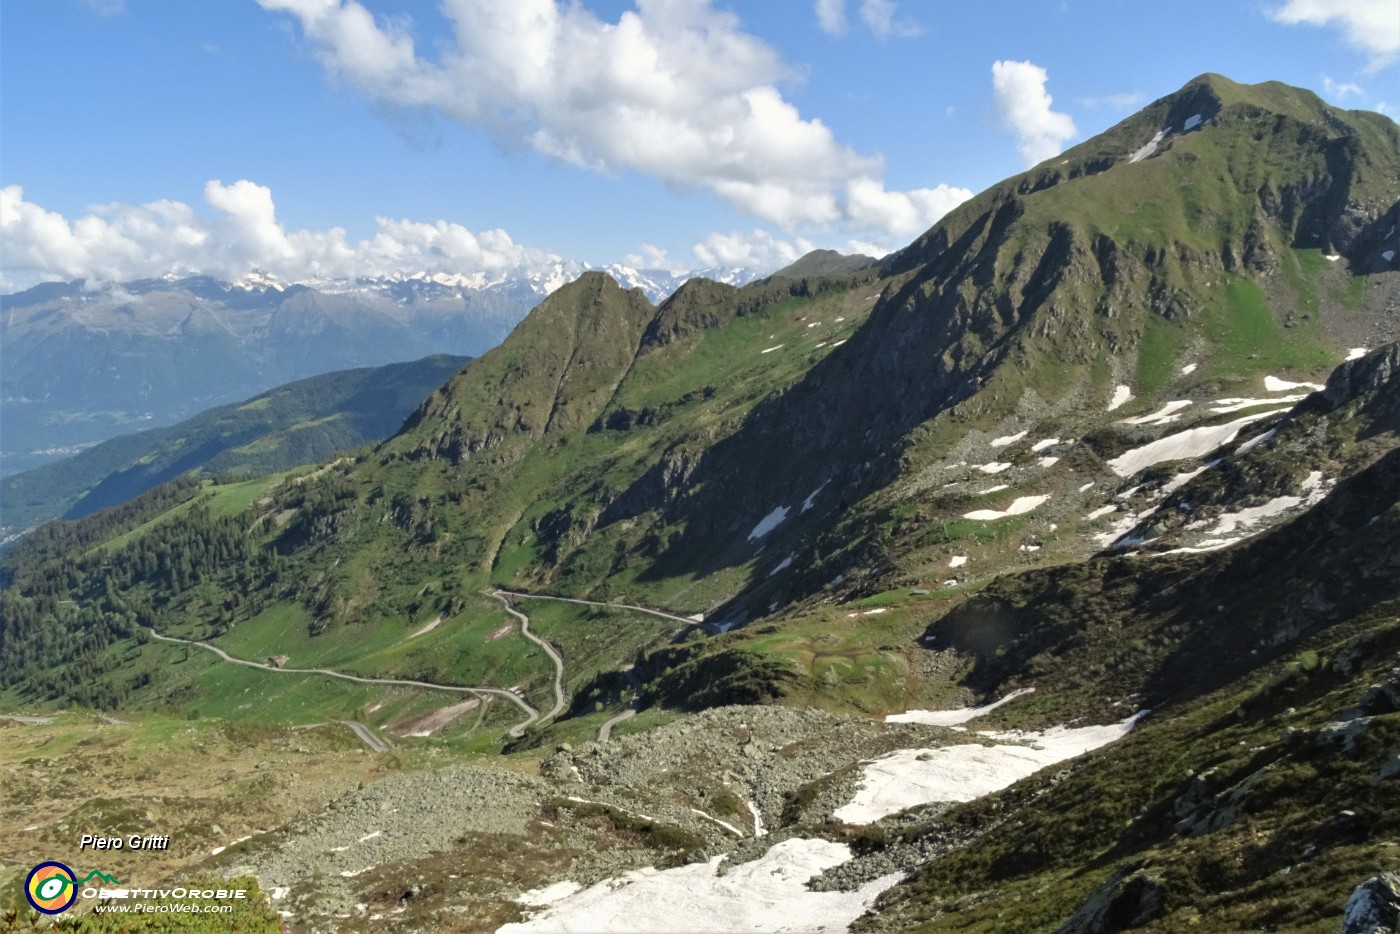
pixel 1257 440
pixel 1101 512
pixel 1122 395
pixel 1331 257
pixel 771 349
pixel 758 828
pixel 1120 528
pixel 812 497
pixel 1181 479
pixel 1225 406
pixel 1314 488
pixel 908 778
pixel 1206 546
pixel 1356 353
pixel 1188 369
pixel 1148 149
pixel 1023 504
pixel 1194 442
pixel 1388 255
pixel 1049 461
pixel 1009 439
pixel 957 561
pixel 993 467
pixel 766 894
pixel 1162 416
pixel 1274 384
pixel 1191 123
pixel 768 523
pixel 548 895
pixel 955 716
pixel 725 824
pixel 1087 487
pixel 783 565
pixel 1042 445
pixel 429 626
pixel 994 489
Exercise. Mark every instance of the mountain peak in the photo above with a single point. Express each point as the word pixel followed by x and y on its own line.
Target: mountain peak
pixel 824 263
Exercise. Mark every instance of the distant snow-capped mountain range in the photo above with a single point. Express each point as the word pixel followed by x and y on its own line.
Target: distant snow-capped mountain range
pixel 657 284
pixel 86 361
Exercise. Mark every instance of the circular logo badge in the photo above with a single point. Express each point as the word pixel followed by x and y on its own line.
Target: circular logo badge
pixel 51 888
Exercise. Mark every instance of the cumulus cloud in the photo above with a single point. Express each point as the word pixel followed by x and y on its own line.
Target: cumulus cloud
pixel 117 242
pixel 1024 105
pixel 881 17
pixel 674 89
pixel 1370 26
pixel 1340 90
pixel 650 256
pixel 902 213
pixel 831 16
pixel 757 249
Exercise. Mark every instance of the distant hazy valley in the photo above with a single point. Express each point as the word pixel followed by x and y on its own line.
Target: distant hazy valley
pixel 84 362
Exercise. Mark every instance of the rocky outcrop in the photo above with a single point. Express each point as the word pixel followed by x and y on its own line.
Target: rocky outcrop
pixel 1374 908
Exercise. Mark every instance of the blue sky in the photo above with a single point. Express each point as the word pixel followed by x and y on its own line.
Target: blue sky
pixel 331 137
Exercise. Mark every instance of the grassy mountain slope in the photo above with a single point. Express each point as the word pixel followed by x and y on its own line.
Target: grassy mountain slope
pixel 788 444
pixel 1046 291
pixel 299 423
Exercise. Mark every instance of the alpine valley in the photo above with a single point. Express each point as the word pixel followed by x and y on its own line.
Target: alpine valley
pixel 1043 576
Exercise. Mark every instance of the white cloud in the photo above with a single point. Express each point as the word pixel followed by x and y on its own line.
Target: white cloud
pixel 675 89
pixel 865 248
pixel 1370 26
pixel 757 249
pixel 1123 101
pixel 116 242
pixel 881 17
pixel 1024 105
pixel 650 256
pixel 902 213
pixel 831 16
pixel 1340 90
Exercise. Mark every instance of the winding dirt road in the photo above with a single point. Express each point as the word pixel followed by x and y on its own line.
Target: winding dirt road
pixel 560 701
pixel 611 606
pixel 516 731
pixel 605 731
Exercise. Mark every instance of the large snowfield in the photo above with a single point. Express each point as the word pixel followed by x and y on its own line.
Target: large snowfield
pixel 770 893
pixel 767 894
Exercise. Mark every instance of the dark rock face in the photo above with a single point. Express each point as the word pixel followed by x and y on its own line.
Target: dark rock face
pixel 1374 908
pixel 1121 904
pixel 1370 373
